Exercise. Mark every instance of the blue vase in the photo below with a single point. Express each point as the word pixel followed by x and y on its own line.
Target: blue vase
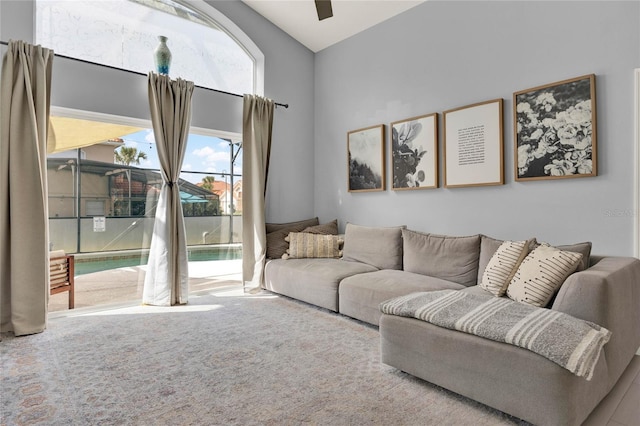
pixel 162 56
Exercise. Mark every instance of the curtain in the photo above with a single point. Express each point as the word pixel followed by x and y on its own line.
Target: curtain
pixel 166 282
pixel 25 89
pixel 257 125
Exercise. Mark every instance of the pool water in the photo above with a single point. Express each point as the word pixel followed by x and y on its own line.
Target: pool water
pixel 90 265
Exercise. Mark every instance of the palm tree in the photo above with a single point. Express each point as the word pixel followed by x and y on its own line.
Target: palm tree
pixel 207 183
pixel 129 155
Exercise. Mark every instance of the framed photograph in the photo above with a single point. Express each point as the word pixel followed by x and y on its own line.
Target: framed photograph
pixel 414 153
pixel 365 149
pixel 473 145
pixel 555 130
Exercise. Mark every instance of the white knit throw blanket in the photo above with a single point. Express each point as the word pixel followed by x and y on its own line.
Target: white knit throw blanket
pixel 570 342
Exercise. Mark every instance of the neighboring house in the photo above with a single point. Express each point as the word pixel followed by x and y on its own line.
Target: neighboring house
pixel 102 151
pixel 237 196
pixel 115 190
pixel 227 196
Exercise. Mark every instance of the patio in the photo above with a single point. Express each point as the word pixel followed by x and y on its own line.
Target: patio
pixel 124 285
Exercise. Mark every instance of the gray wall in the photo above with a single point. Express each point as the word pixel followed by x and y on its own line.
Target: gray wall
pixel 288 79
pixel 441 55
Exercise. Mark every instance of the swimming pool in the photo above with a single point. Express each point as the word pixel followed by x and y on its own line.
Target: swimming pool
pixel 87 265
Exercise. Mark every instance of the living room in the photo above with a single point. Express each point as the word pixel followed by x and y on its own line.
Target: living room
pixel 439 56
pixel 436 57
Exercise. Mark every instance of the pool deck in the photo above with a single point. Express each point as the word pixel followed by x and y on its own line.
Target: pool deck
pixel 124 285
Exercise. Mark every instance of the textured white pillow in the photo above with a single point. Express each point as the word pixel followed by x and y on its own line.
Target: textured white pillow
pixel 503 265
pixel 541 274
pixel 305 245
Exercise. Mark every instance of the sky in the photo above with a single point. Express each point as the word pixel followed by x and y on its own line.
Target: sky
pixel 204 154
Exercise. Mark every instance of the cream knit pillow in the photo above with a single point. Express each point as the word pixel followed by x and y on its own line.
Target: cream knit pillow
pixel 503 265
pixel 541 274
pixel 304 245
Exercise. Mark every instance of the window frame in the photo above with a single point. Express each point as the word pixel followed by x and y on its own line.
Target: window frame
pixel 224 24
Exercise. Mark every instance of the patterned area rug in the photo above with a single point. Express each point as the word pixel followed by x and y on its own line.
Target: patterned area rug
pixel 224 359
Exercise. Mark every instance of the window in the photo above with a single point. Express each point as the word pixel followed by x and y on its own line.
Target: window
pixel 124 187
pixel 124 33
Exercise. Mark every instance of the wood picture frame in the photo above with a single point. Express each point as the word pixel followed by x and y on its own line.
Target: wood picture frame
pixel 555 130
pixel 366 159
pixel 474 145
pixel 414 153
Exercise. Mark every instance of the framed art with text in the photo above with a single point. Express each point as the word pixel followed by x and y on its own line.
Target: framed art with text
pixel 555 130
pixel 473 145
pixel 414 153
pixel 365 151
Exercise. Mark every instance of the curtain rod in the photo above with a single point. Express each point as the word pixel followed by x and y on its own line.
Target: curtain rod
pixel 2 42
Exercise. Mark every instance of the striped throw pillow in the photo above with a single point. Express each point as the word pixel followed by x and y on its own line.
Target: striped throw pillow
pixel 503 265
pixel 306 245
pixel 541 274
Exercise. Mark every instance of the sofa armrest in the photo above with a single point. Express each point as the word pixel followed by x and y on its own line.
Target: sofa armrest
pixel 608 294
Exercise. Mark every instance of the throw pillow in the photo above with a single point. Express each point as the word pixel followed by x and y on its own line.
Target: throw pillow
pixel 330 228
pixel 306 245
pixel 450 258
pixel 300 224
pixel 375 246
pixel 541 274
pixel 276 233
pixel 583 248
pixel 503 265
pixel 488 247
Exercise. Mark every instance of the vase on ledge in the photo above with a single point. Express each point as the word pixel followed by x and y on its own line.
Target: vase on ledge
pixel 162 56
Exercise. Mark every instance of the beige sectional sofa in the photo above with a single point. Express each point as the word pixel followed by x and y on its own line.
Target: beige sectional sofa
pixel 379 264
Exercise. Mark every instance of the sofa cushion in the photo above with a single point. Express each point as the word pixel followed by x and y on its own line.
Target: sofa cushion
pixel 376 246
pixel 313 281
pixel 300 224
pixel 450 258
pixel 306 245
pixel 277 232
pixel 360 295
pixel 503 265
pixel 329 228
pixel 541 274
pixel 583 248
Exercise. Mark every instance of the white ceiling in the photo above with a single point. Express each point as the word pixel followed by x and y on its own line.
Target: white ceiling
pixel 299 19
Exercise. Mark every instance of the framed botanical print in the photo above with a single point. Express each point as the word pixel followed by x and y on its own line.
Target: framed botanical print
pixel 555 130
pixel 365 152
pixel 414 153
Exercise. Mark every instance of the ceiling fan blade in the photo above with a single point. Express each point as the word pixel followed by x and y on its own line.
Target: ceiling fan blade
pixel 324 9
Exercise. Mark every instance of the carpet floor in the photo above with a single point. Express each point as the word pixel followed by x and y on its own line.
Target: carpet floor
pixel 226 358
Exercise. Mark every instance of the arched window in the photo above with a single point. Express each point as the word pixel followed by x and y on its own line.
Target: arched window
pixel 124 34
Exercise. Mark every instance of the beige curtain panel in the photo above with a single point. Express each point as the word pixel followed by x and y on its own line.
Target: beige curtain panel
pixel 166 282
pixel 25 88
pixel 257 126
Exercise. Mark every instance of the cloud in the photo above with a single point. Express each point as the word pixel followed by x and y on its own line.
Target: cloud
pixel 211 157
pixel 149 137
pixel 187 167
